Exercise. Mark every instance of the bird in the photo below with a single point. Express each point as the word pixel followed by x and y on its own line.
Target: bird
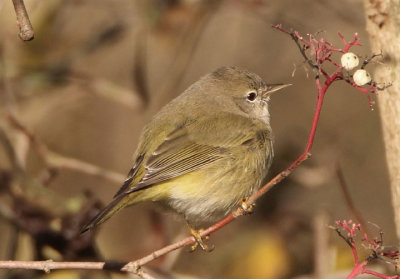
pixel 203 153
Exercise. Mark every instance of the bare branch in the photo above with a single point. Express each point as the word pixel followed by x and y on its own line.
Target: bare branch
pixel 349 201
pixel 57 161
pixel 9 149
pixel 26 32
pixel 187 47
pixel 48 266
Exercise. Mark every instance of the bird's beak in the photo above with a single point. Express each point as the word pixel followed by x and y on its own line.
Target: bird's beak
pixel 275 87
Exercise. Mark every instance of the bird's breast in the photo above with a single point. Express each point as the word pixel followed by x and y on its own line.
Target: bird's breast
pixel 211 193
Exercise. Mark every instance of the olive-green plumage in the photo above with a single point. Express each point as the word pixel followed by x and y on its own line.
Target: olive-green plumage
pixel 204 151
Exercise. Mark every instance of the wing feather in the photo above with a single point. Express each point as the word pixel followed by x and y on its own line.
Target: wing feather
pixel 191 147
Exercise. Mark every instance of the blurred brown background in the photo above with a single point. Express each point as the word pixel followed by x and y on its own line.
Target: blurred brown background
pixel 97 71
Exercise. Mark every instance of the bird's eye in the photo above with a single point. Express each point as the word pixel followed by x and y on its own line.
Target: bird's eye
pixel 251 96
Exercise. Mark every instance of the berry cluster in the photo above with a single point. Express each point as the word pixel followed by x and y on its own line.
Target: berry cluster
pixel 318 52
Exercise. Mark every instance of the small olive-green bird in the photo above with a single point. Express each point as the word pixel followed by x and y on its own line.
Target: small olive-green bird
pixel 204 152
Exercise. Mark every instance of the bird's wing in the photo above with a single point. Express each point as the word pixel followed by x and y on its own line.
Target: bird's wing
pixel 190 148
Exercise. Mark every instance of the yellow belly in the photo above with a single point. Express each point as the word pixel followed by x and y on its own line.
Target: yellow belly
pixel 209 194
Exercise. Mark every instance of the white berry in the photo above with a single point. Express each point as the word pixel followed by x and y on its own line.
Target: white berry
pixel 361 77
pixel 349 61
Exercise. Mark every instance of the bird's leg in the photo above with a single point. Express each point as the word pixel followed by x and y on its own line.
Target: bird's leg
pixel 199 240
pixel 247 208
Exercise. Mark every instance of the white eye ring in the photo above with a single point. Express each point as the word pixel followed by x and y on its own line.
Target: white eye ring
pixel 251 96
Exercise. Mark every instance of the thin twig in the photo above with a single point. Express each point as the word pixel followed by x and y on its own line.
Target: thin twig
pixel 126 97
pixel 140 68
pixel 26 32
pixel 48 266
pixel 350 230
pixel 368 60
pixel 58 161
pixel 9 149
pixel 187 47
pixel 322 257
pixel 349 201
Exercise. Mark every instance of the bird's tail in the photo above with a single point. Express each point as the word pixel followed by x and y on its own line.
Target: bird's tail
pixel 117 204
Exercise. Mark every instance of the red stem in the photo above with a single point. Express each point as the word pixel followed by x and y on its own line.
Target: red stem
pixel 380 275
pixel 358 269
pixel 321 94
pixel 318 107
pixel 355 255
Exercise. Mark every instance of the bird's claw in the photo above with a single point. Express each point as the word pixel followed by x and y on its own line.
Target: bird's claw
pixel 247 208
pixel 199 241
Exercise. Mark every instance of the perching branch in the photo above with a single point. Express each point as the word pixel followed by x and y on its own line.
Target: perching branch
pixel 26 32
pixel 48 266
pixel 321 52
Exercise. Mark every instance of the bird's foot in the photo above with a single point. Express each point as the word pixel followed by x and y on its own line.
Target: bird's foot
pixel 247 208
pixel 199 241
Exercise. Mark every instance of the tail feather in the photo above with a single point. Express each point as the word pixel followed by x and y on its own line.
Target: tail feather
pixel 117 204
